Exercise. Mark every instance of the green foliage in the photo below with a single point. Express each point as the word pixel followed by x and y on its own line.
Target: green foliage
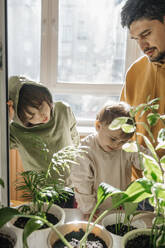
pixel 48 186
pixel 42 187
pixel 152 185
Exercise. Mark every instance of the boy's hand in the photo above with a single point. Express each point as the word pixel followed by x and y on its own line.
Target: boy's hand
pixel 11 110
pixel 86 216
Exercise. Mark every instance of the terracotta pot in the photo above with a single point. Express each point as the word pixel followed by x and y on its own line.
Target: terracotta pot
pixel 111 219
pixel 132 234
pixel 38 237
pixel 98 230
pixel 9 234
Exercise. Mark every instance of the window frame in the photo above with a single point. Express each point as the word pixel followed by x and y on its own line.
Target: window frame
pixel 49 57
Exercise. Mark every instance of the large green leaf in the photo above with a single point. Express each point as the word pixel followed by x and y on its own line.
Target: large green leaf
pixel 152 169
pixel 105 190
pixel 31 226
pixel 162 161
pixel 153 118
pixel 153 101
pixel 138 190
pixel 147 128
pixel 160 146
pixel 6 214
pixel 127 128
pixel 118 122
pixel 150 146
pixel 161 135
pixel 129 208
pixel 155 107
pixel 159 190
pixel 130 147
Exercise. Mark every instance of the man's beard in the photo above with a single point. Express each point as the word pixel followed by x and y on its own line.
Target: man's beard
pixel 159 58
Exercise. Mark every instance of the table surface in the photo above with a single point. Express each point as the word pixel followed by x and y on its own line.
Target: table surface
pixel 73 214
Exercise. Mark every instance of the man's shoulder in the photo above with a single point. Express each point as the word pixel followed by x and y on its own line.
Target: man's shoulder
pixel 141 62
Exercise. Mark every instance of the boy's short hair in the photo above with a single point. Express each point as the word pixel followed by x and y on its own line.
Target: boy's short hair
pixel 134 10
pixel 32 96
pixel 110 112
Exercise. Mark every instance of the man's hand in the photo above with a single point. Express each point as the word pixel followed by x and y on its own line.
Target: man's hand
pixel 11 110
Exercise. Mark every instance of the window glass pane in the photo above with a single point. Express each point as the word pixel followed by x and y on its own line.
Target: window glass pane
pixel 91 41
pixel 86 106
pixel 24 30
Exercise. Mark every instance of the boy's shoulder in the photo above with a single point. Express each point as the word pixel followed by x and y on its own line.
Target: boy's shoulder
pixel 89 141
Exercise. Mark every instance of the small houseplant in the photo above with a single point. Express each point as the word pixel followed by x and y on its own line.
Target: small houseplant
pixel 43 188
pixel 35 222
pixel 7 236
pixel 120 222
pixel 152 185
pixel 104 191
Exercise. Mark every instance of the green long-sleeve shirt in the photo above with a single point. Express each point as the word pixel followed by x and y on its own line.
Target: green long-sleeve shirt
pixel 58 133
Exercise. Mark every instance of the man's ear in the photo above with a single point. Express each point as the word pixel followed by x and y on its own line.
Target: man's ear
pixel 98 125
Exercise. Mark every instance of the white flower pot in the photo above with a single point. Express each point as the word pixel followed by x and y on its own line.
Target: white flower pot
pixel 111 219
pixel 9 233
pixel 132 234
pixel 98 230
pixel 38 238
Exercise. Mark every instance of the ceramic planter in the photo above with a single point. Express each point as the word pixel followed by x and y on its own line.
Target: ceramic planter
pixel 111 219
pixel 38 237
pixel 132 234
pixel 98 230
pixel 9 234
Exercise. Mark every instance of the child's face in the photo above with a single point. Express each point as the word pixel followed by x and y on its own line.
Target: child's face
pixel 39 116
pixel 108 139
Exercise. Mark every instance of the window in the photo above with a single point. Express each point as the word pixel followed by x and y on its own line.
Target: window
pixel 77 48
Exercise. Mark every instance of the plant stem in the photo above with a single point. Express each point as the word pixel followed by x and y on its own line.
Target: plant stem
pixel 52 227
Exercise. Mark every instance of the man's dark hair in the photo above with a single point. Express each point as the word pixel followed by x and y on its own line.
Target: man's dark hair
pixel 32 96
pixel 134 10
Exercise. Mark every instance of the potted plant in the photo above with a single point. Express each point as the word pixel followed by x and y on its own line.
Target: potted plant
pixel 104 191
pixel 42 189
pixel 152 185
pixel 7 237
pixel 74 232
pixel 119 222
pixel 36 221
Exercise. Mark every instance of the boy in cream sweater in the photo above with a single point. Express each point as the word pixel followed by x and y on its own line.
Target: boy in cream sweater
pixel 105 161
